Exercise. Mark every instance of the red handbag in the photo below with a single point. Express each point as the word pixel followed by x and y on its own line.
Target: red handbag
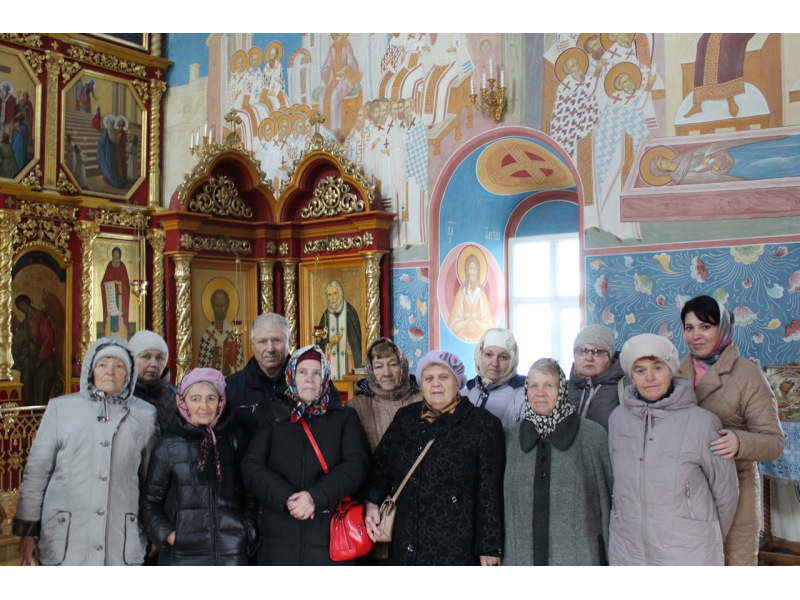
pixel 349 537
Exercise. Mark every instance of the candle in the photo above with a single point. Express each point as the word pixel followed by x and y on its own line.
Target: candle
pixel 491 68
pixel 502 78
pixel 205 130
pixel 472 85
pixel 484 79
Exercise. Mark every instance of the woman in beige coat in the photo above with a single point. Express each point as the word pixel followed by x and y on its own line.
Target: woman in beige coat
pixel 735 390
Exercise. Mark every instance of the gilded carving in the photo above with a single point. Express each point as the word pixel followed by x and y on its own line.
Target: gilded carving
pixel 221 244
pixel 142 88
pixel 107 61
pixel 157 239
pixel 45 210
pixel 35 60
pixel 271 248
pixel 157 89
pixel 183 312
pixel 123 218
pixel 86 232
pixel 52 234
pixel 57 61
pixel 266 280
pixel 372 261
pixel 290 297
pixel 63 184
pixel 220 197
pixel 334 244
pixel 33 179
pixel 53 63
pixel 8 224
pixel 332 197
pixel 33 40
pixel 283 249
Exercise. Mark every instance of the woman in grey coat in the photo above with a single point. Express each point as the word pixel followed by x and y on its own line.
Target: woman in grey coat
pixel 79 499
pixel 674 499
pixel 557 483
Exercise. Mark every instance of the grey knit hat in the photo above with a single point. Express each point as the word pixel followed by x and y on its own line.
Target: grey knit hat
pixel 599 335
pixel 144 339
pixel 646 345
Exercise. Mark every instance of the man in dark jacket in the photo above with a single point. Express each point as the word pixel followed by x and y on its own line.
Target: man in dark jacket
pixel 594 379
pixel 263 378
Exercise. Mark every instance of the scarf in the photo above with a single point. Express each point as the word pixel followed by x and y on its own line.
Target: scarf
pixel 209 449
pixel 430 414
pixel 318 406
pixel 371 387
pixel 724 339
pixel 502 338
pixel 546 425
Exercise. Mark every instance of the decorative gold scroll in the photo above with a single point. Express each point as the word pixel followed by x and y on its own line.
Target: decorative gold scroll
pixel 220 197
pixel 183 312
pixel 266 280
pixel 220 244
pixel 332 197
pixel 52 234
pixel 123 218
pixel 45 210
pixel 86 232
pixel 106 61
pixel 334 244
pixel 8 224
pixel 157 239
pixel 290 297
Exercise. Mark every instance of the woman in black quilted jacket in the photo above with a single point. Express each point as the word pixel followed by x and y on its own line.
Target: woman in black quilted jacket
pixel 194 506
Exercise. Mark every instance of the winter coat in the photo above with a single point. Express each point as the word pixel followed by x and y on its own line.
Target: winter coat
pixel 160 394
pixel 575 511
pixel 505 402
pixel 80 487
pixel 213 521
pixel 376 409
pixel 596 397
pixel 451 510
pixel 250 391
pixel 281 461
pixel 673 500
pixel 736 391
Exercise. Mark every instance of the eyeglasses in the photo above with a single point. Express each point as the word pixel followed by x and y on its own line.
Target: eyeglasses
pixel 593 351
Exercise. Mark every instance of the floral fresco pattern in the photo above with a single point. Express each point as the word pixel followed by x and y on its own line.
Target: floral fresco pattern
pixel 644 292
pixel 410 301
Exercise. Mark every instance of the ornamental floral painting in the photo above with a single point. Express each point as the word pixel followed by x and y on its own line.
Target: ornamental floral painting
pixel 103 149
pixel 643 292
pixel 410 319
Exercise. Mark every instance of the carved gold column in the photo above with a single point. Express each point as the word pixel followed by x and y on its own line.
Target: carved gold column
pixel 266 279
pixel 8 224
pixel 86 232
pixel 156 91
pixel 372 265
pixel 183 312
pixel 53 63
pixel 156 237
pixel 290 300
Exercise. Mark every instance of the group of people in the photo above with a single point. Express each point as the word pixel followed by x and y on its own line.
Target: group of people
pixel 636 458
pixel 16 133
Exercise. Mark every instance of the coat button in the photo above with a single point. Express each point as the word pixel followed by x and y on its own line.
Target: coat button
pixel 133 519
pixel 98 547
pixel 101 512
pixel 103 478
pixel 410 547
pixel 454 499
pixel 104 443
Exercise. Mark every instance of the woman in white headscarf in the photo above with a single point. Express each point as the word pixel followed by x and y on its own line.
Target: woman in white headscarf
pixel 497 387
pixel 736 391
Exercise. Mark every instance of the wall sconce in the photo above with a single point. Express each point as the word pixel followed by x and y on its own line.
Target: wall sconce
pixel 493 100
pixel 198 143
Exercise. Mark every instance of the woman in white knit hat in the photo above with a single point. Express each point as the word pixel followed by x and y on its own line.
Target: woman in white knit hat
pixel 674 499
pixel 152 384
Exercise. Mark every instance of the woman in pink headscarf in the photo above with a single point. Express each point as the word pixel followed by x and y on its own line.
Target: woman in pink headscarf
pixel 194 506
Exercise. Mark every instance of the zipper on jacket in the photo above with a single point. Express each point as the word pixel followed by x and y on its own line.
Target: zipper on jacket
pixel 214 528
pixel 689 501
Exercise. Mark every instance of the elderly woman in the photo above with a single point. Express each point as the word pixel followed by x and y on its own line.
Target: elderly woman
pixel 451 510
pixel 497 387
pixel 79 499
pixel 386 387
pixel 736 391
pixel 152 384
pixel 557 485
pixel 296 496
pixel 194 506
pixel 674 499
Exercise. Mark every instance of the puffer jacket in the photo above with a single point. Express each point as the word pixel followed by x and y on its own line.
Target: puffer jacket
pixel 250 391
pixel 281 461
pixel 736 391
pixel 80 487
pixel 160 394
pixel 213 521
pixel 673 500
pixel 596 397
pixel 505 402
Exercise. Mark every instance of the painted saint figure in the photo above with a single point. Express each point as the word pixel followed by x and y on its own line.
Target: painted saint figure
pixel 220 349
pixel 34 351
pixel 471 314
pixel 342 345
pixel 115 288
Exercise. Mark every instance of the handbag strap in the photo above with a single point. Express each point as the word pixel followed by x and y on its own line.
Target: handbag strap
pixel 411 470
pixel 314 445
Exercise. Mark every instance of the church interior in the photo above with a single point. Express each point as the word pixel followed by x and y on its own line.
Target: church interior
pixel 185 183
